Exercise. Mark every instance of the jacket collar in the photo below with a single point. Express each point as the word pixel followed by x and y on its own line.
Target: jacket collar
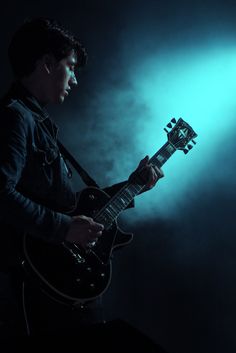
pixel 19 92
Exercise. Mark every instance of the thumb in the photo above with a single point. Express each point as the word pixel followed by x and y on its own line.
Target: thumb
pixel 143 162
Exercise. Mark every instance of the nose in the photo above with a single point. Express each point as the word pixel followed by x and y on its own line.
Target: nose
pixel 73 79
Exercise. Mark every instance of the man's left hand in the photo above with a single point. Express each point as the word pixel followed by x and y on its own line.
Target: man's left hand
pixel 147 173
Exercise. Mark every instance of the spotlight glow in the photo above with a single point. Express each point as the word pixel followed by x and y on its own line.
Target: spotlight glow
pixel 199 86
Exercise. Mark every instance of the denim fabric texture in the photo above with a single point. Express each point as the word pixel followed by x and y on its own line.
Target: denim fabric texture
pixel 36 192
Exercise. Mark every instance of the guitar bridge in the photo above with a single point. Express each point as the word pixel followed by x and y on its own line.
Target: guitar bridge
pixel 76 256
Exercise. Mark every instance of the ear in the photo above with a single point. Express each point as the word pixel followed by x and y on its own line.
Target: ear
pixel 48 62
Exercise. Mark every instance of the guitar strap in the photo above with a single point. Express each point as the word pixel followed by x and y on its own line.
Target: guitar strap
pixel 83 174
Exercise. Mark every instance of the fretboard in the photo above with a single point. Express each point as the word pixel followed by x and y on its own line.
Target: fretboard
pixel 108 214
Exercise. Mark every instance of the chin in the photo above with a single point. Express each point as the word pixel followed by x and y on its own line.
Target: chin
pixel 59 100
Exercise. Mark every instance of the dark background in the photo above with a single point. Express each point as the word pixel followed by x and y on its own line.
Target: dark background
pixel 176 282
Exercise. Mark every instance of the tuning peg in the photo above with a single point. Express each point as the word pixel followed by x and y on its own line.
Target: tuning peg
pixel 185 150
pixel 169 125
pixel 194 142
pixel 190 146
pixel 173 121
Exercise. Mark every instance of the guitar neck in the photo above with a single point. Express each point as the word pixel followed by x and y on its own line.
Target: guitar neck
pixel 163 154
pixel 108 214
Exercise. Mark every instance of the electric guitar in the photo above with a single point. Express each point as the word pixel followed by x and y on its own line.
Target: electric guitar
pixel 73 275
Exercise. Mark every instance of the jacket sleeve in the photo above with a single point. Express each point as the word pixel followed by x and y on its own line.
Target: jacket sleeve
pixel 17 210
pixel 112 190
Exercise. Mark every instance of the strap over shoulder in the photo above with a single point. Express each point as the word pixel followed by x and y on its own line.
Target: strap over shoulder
pixel 83 174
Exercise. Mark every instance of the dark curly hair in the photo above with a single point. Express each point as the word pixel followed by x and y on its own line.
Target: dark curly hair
pixel 40 36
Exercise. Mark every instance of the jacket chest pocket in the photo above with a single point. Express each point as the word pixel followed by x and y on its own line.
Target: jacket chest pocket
pixel 44 163
pixel 45 156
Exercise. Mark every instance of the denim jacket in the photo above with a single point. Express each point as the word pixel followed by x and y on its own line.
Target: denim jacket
pixel 36 194
pixel 35 190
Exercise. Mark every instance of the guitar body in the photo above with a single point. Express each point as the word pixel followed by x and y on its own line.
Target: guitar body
pixel 68 272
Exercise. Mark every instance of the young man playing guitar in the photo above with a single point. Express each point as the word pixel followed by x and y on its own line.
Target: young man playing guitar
pixel 36 194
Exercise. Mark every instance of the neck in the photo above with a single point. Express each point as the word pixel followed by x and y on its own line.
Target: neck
pixel 35 87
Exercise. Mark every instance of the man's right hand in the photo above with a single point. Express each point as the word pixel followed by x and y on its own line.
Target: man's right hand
pixel 84 231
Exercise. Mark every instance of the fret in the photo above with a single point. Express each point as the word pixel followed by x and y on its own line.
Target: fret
pixel 136 188
pixel 118 204
pixel 110 209
pixel 161 156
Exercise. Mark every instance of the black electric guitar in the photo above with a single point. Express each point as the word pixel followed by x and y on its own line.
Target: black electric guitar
pixel 71 274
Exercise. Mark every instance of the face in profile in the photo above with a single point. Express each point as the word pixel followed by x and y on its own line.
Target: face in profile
pixel 62 78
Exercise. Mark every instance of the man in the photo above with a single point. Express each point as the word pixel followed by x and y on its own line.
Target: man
pixel 36 195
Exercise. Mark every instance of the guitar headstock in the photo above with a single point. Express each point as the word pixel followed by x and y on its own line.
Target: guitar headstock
pixel 181 135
